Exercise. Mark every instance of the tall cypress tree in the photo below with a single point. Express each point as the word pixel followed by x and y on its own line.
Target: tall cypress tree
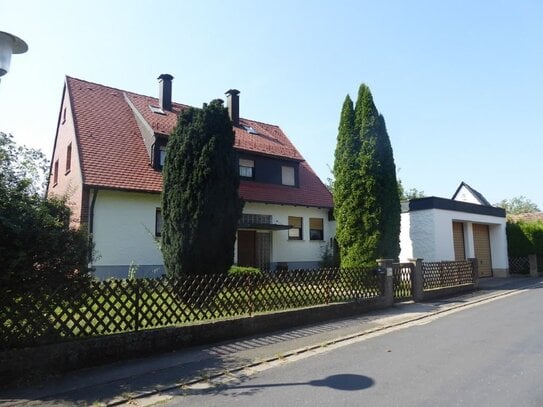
pixel 366 200
pixel 200 202
pixel 390 201
pixel 366 127
pixel 347 192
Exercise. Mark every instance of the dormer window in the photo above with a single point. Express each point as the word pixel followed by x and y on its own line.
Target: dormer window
pixel 162 155
pixel 246 168
pixel 287 175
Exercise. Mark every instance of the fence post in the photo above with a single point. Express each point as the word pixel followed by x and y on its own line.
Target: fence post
pixel 532 259
pixel 475 266
pixel 250 297
pixel 137 304
pixel 389 280
pixel 417 280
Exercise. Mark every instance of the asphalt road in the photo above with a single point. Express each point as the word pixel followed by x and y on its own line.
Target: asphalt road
pixel 487 355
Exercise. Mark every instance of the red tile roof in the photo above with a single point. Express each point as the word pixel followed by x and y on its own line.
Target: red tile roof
pixel 113 154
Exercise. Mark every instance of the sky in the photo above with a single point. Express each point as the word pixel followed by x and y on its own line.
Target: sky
pixel 459 82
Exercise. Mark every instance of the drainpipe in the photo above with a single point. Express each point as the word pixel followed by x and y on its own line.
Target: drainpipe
pixel 91 220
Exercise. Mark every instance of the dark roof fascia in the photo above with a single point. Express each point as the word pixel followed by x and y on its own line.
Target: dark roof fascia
pixel 263 226
pixel 287 204
pixel 433 202
pixel 268 155
pixel 108 188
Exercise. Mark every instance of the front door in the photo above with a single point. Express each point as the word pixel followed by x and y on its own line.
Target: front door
pixel 481 241
pixel 247 248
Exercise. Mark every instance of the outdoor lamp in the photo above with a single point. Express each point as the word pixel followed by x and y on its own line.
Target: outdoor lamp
pixel 9 44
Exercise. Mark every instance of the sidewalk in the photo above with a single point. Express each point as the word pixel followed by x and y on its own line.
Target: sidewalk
pixel 117 383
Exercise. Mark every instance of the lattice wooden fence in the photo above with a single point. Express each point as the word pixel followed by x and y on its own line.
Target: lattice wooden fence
pixel 116 306
pixel 519 265
pixel 447 274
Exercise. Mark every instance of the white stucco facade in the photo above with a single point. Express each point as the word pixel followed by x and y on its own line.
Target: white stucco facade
pixel 304 253
pixel 428 234
pixel 124 232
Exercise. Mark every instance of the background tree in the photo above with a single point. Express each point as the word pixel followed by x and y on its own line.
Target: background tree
pixel 37 246
pixel 406 194
pixel 200 202
pixel 518 205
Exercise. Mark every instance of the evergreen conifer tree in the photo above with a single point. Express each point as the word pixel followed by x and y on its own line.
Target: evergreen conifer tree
pixel 366 127
pixel 347 192
pixel 389 198
pixel 200 202
pixel 367 208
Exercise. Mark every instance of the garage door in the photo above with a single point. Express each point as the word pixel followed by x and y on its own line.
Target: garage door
pixel 481 242
pixel 458 240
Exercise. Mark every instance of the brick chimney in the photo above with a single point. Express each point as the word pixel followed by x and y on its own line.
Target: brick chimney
pixel 232 102
pixel 165 91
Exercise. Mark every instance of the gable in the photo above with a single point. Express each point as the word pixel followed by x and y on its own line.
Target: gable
pixel 465 193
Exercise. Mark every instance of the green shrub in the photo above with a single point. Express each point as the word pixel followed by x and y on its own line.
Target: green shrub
pixel 244 271
pixel 524 238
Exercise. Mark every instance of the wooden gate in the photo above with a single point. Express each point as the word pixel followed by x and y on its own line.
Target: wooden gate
pixel 402 281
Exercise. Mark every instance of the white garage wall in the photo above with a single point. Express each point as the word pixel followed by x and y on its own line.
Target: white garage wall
pixel 428 234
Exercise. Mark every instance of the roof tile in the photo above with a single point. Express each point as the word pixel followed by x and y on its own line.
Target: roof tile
pixel 113 154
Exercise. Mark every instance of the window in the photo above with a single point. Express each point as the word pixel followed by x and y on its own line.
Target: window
pixel 316 229
pixel 246 168
pixel 287 175
pixel 295 233
pixel 248 219
pixel 63 116
pixel 68 158
pixel 158 222
pixel 162 157
pixel 55 173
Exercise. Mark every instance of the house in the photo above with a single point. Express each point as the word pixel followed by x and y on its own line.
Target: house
pixel 108 154
pixel 466 226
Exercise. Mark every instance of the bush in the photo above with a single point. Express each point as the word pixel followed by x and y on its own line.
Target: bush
pixel 524 238
pixel 39 250
pixel 244 271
